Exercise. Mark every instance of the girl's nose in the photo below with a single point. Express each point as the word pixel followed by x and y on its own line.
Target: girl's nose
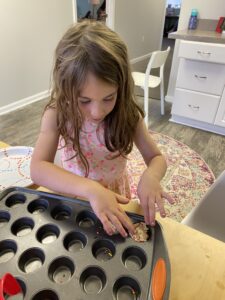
pixel 98 113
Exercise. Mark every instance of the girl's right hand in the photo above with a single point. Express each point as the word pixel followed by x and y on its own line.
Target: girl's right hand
pixel 105 204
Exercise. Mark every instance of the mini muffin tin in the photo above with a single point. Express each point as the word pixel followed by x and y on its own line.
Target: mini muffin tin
pixel 56 248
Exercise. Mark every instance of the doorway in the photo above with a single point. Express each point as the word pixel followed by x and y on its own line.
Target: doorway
pixel 91 9
pixel 170 25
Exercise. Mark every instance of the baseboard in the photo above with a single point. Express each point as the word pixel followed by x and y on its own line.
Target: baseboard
pixel 23 102
pixel 169 99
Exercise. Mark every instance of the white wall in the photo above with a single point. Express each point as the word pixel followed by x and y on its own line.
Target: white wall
pixel 30 31
pixel 140 24
pixel 208 9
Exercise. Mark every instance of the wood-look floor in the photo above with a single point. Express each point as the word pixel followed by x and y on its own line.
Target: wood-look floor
pixel 21 127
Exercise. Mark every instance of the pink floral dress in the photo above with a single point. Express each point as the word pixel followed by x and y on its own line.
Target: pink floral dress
pixel 110 172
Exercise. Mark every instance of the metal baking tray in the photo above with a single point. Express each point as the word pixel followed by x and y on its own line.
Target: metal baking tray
pixel 56 248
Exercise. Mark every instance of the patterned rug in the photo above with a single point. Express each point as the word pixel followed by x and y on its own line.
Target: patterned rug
pixel 187 179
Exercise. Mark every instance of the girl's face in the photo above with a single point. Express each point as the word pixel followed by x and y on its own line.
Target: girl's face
pixel 97 99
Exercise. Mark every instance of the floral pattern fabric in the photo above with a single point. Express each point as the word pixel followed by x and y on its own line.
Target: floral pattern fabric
pixel 187 179
pixel 103 167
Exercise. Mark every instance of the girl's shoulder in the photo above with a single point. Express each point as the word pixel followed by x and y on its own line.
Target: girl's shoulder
pixel 49 118
pixel 140 120
pixel 140 127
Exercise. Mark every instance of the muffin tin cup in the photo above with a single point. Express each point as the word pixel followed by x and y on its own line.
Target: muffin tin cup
pixel 57 249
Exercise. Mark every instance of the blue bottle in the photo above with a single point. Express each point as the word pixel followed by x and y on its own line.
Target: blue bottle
pixel 193 21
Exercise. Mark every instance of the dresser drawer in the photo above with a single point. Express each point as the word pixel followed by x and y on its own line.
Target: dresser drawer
pixel 195 105
pixel 220 116
pixel 208 52
pixel 201 76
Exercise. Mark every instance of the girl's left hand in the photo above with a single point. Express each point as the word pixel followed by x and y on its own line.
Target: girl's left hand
pixel 151 196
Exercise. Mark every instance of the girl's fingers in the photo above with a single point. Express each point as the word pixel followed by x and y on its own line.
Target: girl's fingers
pixel 121 199
pixel 119 222
pixel 107 225
pixel 144 204
pixel 125 220
pixel 114 220
pixel 160 205
pixel 151 212
pixel 168 197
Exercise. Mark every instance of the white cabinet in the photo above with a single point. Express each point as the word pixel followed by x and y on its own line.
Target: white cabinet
pixel 199 99
pixel 201 76
pixel 209 52
pixel 195 105
pixel 220 117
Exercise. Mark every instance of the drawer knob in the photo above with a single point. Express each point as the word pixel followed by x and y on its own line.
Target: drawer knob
pixel 200 77
pixel 204 52
pixel 194 107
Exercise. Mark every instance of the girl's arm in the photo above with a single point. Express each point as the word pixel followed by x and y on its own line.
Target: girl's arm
pixel 149 189
pixel 44 172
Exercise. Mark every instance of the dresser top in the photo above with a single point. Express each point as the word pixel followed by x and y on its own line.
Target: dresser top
pixel 199 35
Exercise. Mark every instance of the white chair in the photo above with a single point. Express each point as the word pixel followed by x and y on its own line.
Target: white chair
pixel 146 81
pixel 209 215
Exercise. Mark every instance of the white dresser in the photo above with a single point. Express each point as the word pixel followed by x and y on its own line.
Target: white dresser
pixel 199 99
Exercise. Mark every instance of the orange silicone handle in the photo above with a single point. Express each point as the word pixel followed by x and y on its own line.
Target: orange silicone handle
pixel 159 279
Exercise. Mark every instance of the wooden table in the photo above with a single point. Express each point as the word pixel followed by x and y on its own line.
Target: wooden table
pixel 197 260
pixel 3 145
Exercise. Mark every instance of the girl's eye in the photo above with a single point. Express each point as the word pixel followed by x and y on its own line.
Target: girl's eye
pixel 83 101
pixel 109 99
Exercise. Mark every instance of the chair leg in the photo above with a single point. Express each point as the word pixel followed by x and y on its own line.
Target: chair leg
pixel 162 99
pixel 146 106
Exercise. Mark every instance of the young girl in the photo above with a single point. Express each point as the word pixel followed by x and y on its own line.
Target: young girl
pixel 93 119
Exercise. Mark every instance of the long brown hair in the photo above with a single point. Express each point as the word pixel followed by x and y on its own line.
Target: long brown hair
pixel 93 47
